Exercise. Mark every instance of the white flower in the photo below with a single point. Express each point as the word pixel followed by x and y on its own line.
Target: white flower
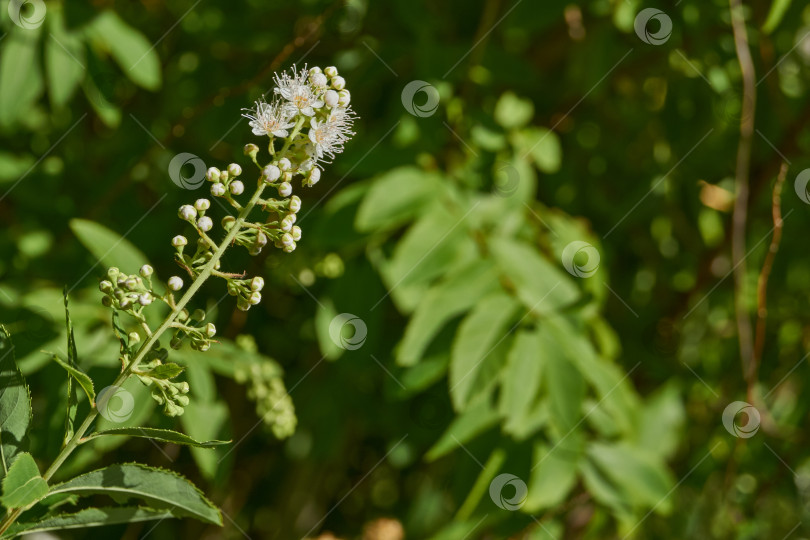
pixel 301 96
pixel 327 137
pixel 269 118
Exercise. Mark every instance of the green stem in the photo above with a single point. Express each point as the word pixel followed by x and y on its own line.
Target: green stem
pixel 74 442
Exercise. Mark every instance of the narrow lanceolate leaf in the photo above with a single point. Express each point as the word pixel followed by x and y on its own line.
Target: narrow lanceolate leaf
pixel 89 517
pixel 162 435
pixel 158 488
pixel 81 377
pixel 72 392
pixel 451 297
pixel 15 405
pixel 480 333
pixel 23 485
pixel 521 380
pixel 134 53
pixel 540 284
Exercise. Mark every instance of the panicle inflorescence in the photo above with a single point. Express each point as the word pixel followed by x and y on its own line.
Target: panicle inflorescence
pixel 307 121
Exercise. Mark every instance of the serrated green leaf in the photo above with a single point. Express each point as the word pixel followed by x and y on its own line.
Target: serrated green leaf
pixel 134 53
pixel 20 74
pixel 81 377
pixel 484 328
pixel 72 355
pixel 434 245
pixel 23 485
pixel 89 517
pixel 564 384
pixel 64 59
pixel 553 475
pixel 520 382
pixel 639 476
pixel 541 286
pixel 451 297
pixel 15 405
pixel 166 371
pixel 107 246
pixel 396 197
pixel 162 435
pixel 159 488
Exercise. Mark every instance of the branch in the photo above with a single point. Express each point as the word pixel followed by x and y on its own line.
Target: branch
pixel 740 215
pixel 762 283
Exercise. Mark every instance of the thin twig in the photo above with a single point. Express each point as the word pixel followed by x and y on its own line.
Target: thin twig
pixel 767 266
pixel 740 215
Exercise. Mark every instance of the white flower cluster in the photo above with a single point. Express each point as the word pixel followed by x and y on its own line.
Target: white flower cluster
pixel 320 98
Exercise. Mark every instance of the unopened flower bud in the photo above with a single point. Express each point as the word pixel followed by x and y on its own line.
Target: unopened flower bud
pixel 234 169
pixel 296 233
pixel 146 271
pixel 286 224
pixel 202 205
pixel 345 98
pixel 284 164
pixel 237 187
pixel 251 150
pixel 125 303
pixel 175 283
pixel 331 71
pixel 242 304
pixel 257 283
pixel 179 241
pixel 255 297
pixel 295 204
pixel 134 337
pixel 212 174
pixel 182 387
pixel 106 301
pixel 331 98
pixel 198 315
pixel 210 330
pixel 227 222
pixel 112 273
pixel 314 176
pixel 223 176
pixel 285 189
pixel 261 240
pixel 271 173
pixel 314 70
pixel 290 248
pixel 145 299
pixel 205 224
pixel 287 239
pixel 187 212
pixel 317 79
pixel 218 189
pixel 105 286
pixel 183 400
pixel 338 83
pixel 131 284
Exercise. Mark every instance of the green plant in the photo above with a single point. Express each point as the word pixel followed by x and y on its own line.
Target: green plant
pixel 312 99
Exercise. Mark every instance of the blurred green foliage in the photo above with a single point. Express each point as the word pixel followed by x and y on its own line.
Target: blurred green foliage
pixel 444 232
